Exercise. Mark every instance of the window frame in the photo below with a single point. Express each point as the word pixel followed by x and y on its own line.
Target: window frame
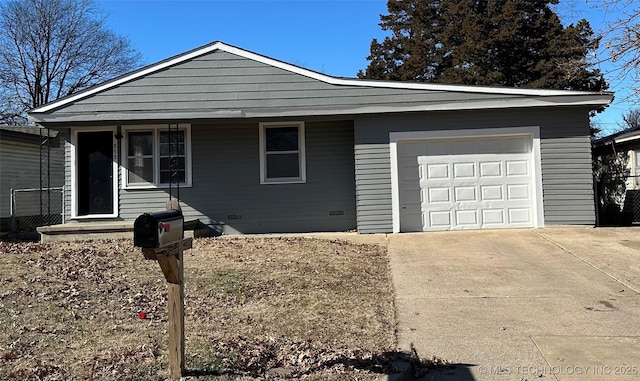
pixel 155 133
pixel 302 178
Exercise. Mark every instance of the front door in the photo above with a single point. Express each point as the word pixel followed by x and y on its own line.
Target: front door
pixel 95 173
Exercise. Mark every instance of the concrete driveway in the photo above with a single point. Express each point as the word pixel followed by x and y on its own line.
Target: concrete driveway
pixel 543 304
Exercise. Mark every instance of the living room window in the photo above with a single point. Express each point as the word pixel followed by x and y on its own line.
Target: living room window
pixel 149 154
pixel 282 154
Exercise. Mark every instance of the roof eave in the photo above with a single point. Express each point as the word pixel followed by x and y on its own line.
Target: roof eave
pixel 587 101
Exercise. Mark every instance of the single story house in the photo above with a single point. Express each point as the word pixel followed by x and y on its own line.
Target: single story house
pixel 266 146
pixel 26 154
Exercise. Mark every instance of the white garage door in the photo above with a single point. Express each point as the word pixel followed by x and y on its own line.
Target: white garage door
pixel 475 183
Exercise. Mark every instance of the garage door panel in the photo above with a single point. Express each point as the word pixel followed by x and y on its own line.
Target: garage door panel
pixel 519 216
pixel 467 184
pixel 491 193
pixel 490 169
pixel 438 194
pixel 517 167
pixel 464 170
pixel 518 192
pixel 437 171
pixel 493 217
pixel 438 220
pixel 467 218
pixel 465 193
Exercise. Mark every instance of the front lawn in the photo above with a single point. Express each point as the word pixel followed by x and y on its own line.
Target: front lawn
pixel 254 308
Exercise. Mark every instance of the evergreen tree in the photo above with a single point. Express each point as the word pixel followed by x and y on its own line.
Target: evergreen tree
pixel 517 43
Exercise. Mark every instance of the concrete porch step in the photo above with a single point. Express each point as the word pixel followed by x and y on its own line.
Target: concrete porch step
pixel 98 230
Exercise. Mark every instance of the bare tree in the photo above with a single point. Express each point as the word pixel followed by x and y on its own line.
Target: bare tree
pixel 53 48
pixel 632 119
pixel 10 111
pixel 622 38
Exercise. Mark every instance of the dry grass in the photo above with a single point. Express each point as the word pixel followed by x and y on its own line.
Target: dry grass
pixel 311 308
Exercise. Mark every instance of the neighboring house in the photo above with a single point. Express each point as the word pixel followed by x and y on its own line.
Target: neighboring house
pixel 628 141
pixel 625 141
pixel 267 146
pixel 20 163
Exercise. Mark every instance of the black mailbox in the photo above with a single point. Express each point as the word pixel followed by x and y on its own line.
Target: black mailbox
pixel 156 230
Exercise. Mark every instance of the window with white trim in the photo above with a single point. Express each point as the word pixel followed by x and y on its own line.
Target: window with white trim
pixel 282 156
pixel 148 160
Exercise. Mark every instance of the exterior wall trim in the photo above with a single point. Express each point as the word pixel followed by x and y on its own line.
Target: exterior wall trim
pixel 533 131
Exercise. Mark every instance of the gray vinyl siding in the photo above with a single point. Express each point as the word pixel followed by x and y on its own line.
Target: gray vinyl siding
pixel 20 169
pixel 567 177
pixel 373 186
pixel 220 83
pixel 226 183
pixel 565 152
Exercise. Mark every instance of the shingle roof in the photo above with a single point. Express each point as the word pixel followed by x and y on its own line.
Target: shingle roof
pixel 30 130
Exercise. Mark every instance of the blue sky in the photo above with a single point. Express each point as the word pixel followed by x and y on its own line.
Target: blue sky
pixel 328 36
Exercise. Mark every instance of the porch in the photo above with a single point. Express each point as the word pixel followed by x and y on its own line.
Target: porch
pixel 109 229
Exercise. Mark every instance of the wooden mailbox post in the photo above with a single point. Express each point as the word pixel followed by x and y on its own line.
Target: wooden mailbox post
pixel 161 237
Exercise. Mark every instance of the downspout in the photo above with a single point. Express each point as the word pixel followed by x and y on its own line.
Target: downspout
pixel 613 148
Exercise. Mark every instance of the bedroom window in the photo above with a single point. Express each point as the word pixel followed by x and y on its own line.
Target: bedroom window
pixel 148 156
pixel 282 158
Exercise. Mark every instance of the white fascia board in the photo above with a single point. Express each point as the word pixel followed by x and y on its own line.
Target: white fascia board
pixel 310 74
pixel 627 138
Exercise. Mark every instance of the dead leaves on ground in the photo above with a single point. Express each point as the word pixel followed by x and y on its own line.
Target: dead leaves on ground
pixel 270 357
pixel 310 307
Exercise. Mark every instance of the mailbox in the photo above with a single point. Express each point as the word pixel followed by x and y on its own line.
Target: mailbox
pixel 156 230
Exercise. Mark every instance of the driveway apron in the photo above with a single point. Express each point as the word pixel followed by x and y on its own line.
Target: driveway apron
pixel 528 304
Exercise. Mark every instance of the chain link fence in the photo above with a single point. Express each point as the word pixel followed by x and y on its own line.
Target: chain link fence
pixel 618 200
pixel 31 208
pixel 632 203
